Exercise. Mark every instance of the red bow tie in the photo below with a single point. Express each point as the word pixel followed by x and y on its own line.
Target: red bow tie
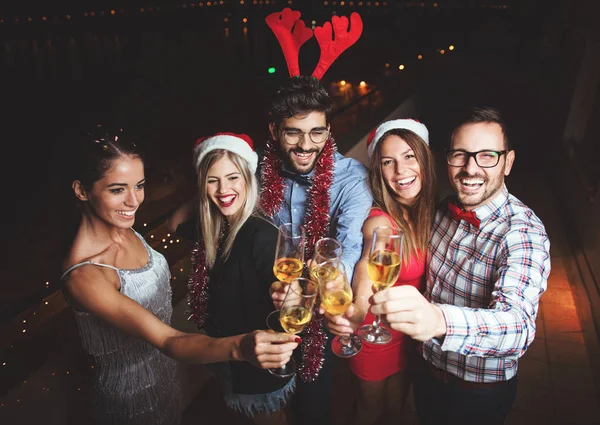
pixel 459 214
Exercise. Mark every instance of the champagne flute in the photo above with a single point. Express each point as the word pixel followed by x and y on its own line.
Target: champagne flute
pixel 294 315
pixel 383 268
pixel 328 269
pixel 327 249
pixel 289 254
pixel 326 258
pixel 336 298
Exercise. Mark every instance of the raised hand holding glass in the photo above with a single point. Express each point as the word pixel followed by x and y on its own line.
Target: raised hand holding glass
pixel 289 254
pixel 295 314
pixel 384 265
pixel 336 299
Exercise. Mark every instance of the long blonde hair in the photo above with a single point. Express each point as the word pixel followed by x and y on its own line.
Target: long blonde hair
pixel 421 213
pixel 212 222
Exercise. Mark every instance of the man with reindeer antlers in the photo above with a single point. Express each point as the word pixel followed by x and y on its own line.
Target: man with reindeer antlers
pixel 305 180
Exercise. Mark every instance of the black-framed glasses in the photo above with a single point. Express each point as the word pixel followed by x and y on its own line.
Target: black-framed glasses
pixel 483 159
pixel 294 136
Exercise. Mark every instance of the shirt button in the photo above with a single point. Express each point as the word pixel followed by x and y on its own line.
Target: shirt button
pixel 295 209
pixel 295 184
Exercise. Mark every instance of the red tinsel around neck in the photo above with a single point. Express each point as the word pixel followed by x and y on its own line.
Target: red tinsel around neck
pixel 316 220
pixel 316 225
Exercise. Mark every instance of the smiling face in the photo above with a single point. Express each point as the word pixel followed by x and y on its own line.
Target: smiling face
pixel 226 187
pixel 116 197
pixel 302 157
pixel 476 186
pixel 400 169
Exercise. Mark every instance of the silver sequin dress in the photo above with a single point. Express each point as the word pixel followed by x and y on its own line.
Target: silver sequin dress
pixel 135 382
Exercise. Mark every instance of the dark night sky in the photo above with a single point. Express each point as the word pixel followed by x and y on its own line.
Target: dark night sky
pixel 60 6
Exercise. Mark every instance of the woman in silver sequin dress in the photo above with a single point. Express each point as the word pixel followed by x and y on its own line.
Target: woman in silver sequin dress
pixel 120 290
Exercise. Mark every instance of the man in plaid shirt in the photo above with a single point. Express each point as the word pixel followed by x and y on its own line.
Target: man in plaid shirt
pixel 488 265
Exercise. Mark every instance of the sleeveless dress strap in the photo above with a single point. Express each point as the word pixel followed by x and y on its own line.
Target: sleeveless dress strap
pixel 378 212
pixel 84 263
pixel 140 237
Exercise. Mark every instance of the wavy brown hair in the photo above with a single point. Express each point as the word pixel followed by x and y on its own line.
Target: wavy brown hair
pixel 421 213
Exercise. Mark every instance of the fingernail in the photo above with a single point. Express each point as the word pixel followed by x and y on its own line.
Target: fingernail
pixel 298 340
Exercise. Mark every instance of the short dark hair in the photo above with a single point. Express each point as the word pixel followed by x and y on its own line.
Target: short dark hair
pixel 299 95
pixel 96 151
pixel 483 114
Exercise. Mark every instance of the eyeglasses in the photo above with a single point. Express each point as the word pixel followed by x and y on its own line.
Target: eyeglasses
pixel 293 136
pixel 483 159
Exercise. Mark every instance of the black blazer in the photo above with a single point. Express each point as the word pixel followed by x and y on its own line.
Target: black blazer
pixel 239 296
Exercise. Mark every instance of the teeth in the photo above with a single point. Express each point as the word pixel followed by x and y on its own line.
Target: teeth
pixel 407 180
pixel 303 155
pixel 127 213
pixel 472 181
pixel 226 199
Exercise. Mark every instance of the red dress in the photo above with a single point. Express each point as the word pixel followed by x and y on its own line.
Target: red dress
pixel 374 361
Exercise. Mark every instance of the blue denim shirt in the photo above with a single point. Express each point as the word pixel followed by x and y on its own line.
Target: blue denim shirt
pixel 350 201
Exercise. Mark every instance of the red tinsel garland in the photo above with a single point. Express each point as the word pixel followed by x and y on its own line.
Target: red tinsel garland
pixel 316 226
pixel 272 185
pixel 198 286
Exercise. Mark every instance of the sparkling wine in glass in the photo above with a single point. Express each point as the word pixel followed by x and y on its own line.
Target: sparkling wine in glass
pixel 325 270
pixel 327 255
pixel 326 258
pixel 289 254
pixel 336 299
pixel 295 314
pixel 383 268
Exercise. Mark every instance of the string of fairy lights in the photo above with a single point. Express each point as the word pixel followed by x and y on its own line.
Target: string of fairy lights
pixel 216 4
pixel 34 315
pixel 363 88
pixel 159 238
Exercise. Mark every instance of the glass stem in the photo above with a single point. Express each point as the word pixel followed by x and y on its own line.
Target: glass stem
pixel 345 340
pixel 376 322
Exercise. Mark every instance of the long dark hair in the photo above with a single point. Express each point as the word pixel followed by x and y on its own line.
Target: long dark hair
pixel 422 211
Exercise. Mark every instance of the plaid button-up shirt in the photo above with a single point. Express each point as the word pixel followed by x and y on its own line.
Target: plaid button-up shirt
pixel 488 283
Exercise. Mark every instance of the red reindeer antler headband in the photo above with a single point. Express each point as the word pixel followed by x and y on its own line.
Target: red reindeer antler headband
pixel 292 33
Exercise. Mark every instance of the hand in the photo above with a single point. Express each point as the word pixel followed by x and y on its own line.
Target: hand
pixel 340 324
pixel 407 311
pixel 267 349
pixel 278 290
pixel 347 323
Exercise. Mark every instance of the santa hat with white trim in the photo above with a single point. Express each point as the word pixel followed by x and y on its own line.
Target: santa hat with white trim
pixel 240 144
pixel 406 124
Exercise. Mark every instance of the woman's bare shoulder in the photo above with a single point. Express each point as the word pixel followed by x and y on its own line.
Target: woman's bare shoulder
pixel 375 221
pixel 90 254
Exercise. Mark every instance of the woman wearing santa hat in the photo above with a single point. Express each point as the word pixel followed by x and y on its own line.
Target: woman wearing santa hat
pixel 232 269
pixel 402 180
pixel 119 288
